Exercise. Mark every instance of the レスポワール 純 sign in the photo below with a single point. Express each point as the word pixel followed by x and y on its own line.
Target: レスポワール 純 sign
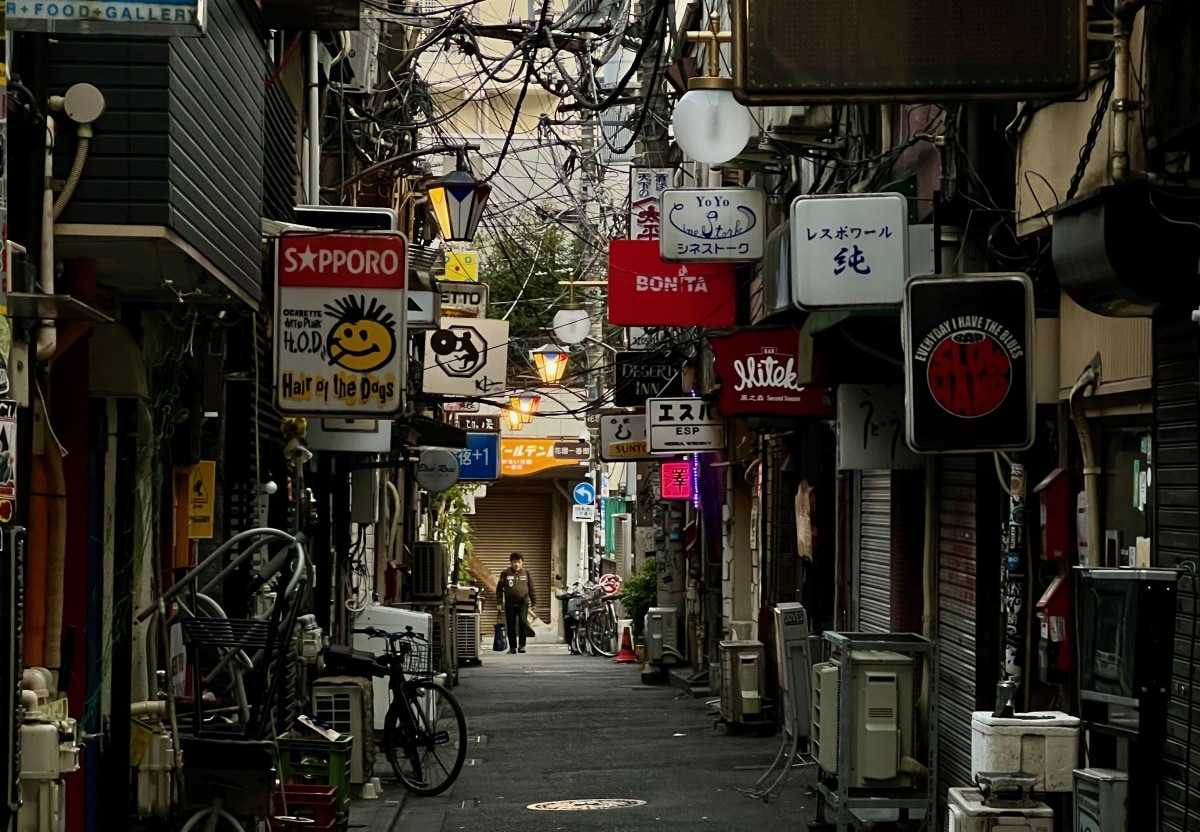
pixel 339 301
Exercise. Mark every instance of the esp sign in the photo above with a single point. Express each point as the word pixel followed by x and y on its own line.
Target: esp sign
pixel 684 426
pixel 338 323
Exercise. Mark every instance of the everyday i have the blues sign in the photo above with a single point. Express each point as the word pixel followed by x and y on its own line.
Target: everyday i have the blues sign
pixel 148 18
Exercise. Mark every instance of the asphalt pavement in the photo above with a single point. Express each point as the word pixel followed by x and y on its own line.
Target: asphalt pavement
pixel 547 728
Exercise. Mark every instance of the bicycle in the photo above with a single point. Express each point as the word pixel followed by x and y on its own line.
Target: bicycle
pixel 425 733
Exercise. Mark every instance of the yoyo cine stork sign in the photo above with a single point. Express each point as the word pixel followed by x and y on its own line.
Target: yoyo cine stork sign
pixel 713 224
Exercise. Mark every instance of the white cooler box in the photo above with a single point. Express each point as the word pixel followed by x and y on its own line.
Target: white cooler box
pixel 393 620
pixel 1044 744
pixel 968 814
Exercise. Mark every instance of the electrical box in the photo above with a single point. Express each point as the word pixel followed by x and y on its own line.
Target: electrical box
pixel 662 635
pixel 364 496
pixel 881 725
pixel 742 679
pixel 1101 800
pixel 968 813
pixel 1054 498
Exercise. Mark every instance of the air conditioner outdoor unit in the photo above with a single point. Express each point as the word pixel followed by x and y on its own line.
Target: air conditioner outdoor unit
pixel 341 706
pixel 467 639
pixel 742 679
pixel 430 572
pixel 662 635
pixel 882 724
pixel 362 55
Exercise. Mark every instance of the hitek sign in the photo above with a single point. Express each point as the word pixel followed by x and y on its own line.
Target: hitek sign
pixel 338 301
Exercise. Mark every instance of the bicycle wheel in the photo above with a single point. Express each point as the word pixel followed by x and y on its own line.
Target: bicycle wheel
pixel 427 746
pixel 602 631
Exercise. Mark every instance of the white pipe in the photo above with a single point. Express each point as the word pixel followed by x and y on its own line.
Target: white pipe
pixel 84 135
pixel 157 707
pixel 47 340
pixel 1120 100
pixel 314 124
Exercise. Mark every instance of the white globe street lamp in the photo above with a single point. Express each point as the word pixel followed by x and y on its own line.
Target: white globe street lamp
pixel 710 125
pixel 572 324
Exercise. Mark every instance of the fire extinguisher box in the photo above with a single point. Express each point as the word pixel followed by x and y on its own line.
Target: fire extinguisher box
pixel 1054 643
pixel 1054 498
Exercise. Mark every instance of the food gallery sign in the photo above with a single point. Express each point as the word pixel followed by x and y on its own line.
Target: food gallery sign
pixel 339 298
pixel 968 378
pixel 152 18
pixel 645 291
pixel 761 372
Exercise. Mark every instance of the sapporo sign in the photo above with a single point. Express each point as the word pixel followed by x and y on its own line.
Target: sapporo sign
pixel 338 301
pixel 967 372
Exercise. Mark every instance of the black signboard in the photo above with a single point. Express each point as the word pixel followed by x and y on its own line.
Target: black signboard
pixel 968 371
pixel 644 375
pixel 476 423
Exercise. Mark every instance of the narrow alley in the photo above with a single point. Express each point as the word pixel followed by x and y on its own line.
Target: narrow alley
pixel 549 727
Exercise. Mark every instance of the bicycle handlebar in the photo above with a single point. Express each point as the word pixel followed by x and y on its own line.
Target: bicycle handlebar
pixel 375 632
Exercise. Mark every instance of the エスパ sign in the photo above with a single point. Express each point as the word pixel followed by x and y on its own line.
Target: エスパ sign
pixel 684 425
pixel 337 329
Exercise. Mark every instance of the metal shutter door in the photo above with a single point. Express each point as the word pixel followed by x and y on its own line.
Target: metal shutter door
pixel 956 621
pixel 1177 538
pixel 875 552
pixel 512 519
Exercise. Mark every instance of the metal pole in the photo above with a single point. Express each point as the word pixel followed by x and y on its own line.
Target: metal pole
pixel 314 122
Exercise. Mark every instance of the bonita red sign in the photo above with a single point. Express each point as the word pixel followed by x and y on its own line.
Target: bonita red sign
pixel 645 291
pixel 761 373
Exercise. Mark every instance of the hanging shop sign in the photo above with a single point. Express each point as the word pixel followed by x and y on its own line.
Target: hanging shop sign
pixel 638 376
pixel 8 460
pixel 364 436
pixel 762 371
pixel 646 338
pixel 474 423
pixel 437 469
pixel 646 186
pixel 871 435
pixel 202 499
pixel 713 224
pixel 466 358
pixel 645 291
pixel 519 457
pixel 967 373
pixel 480 460
pixel 849 250
pixel 423 309
pixel 684 425
pixel 462 266
pixel 337 335
pixel 463 300
pixel 623 437
pixel 676 480
pixel 146 18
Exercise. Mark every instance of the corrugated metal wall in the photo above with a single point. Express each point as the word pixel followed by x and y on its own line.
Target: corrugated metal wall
pixel 1177 540
pixel 181 143
pixel 874 535
pixel 957 630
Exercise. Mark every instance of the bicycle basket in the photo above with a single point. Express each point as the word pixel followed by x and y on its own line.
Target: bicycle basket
pixel 415 660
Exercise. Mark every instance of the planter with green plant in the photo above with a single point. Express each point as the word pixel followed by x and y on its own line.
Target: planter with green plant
pixel 454 529
pixel 638 594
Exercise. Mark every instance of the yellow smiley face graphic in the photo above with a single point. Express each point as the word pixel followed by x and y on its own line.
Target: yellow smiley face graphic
pixel 363 337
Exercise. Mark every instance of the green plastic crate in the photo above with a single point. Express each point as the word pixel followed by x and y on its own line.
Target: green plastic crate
pixel 318 762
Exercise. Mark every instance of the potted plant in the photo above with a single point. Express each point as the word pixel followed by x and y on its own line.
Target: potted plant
pixel 638 594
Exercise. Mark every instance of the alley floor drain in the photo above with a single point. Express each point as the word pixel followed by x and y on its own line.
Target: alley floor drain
pixel 589 805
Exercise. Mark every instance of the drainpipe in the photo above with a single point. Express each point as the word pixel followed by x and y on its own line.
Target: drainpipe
pixel 314 122
pixel 1090 377
pixel 47 340
pixel 1123 18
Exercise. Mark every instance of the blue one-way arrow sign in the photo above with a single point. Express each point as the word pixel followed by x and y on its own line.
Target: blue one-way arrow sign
pixel 585 493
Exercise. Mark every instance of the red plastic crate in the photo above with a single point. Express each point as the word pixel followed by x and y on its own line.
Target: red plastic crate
pixel 315 802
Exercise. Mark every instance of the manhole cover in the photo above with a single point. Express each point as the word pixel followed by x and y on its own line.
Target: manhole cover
pixel 588 805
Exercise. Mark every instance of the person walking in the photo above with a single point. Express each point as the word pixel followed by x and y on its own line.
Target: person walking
pixel 516 595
